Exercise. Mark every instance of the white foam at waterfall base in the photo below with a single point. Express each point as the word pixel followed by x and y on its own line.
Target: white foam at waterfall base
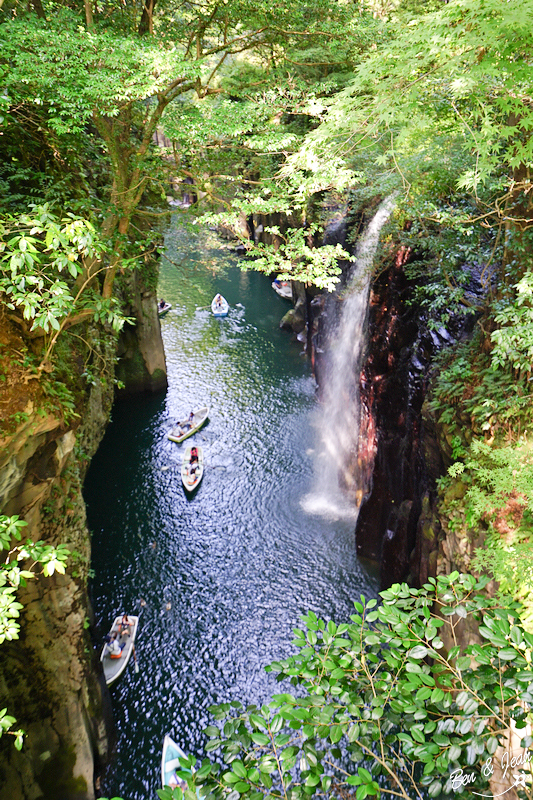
pixel 337 489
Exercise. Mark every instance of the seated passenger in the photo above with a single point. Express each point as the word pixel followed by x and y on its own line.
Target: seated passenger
pixel 124 627
pixel 113 648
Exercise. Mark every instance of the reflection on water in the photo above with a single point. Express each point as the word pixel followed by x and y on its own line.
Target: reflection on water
pixel 219 579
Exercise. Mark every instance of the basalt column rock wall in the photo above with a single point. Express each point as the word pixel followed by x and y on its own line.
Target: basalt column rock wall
pixel 398 452
pixel 48 680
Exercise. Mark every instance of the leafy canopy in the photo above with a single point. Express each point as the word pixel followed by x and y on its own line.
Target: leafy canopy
pixel 43 273
pixel 463 69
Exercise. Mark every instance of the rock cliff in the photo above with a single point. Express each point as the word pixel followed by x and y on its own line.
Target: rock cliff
pixel 50 679
pixel 47 678
pixel 402 449
pixel 141 365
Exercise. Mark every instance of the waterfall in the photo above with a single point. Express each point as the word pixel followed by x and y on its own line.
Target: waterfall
pixel 337 493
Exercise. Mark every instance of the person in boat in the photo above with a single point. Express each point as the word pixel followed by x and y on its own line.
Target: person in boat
pixel 218 301
pixel 125 624
pixel 113 647
pixel 161 304
pixel 193 462
pixel 185 425
pixel 174 781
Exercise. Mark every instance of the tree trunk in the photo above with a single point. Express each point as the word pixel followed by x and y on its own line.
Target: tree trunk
pixel 88 14
pixel 146 25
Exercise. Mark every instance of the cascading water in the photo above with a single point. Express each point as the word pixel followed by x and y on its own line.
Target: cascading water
pixel 337 492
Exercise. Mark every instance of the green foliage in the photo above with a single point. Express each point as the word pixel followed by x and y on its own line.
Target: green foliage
pixel 496 498
pixel 493 476
pixel 38 253
pixel 294 255
pixel 218 78
pixel 513 340
pixel 457 69
pixel 46 273
pixel 441 101
pixel 61 395
pixel 52 559
pixel 80 70
pixel 12 576
pixel 488 395
pixel 388 703
pixel 6 723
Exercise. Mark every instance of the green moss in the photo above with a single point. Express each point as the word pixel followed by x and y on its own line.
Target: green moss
pixel 158 377
pixel 57 781
pixel 132 370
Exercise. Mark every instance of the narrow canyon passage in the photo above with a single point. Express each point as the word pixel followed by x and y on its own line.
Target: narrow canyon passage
pixel 221 578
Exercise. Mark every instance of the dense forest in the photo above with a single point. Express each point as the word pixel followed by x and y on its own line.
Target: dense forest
pixel 109 110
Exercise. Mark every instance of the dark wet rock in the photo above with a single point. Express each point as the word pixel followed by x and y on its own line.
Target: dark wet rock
pixel 402 453
pixel 396 443
pixel 294 319
pixel 141 366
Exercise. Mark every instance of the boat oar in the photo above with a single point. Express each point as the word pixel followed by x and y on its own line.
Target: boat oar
pixel 201 308
pixel 135 659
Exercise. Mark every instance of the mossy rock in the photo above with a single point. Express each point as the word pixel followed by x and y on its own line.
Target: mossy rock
pixel 57 781
pixel 456 491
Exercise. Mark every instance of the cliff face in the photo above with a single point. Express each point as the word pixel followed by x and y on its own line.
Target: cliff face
pixel 141 366
pixel 47 679
pixel 391 452
pixel 402 450
pixel 50 679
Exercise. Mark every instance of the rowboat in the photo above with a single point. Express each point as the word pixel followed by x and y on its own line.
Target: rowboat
pixel 219 306
pixel 113 665
pixel 163 308
pixel 170 764
pixel 191 474
pixel 283 288
pixel 186 427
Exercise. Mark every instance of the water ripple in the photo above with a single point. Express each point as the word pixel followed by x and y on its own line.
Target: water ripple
pixel 225 574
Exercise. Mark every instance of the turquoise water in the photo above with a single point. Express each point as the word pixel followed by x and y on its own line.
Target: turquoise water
pixel 221 578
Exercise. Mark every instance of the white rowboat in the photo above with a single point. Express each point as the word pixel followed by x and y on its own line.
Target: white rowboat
pixel 170 764
pixel 220 306
pixel 185 428
pixel 191 474
pixel 163 309
pixel 283 288
pixel 113 666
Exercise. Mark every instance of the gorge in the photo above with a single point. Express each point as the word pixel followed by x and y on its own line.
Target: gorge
pixel 379 436
pixel 204 574
pixel 224 575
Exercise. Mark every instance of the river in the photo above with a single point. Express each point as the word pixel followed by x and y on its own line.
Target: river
pixel 219 579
